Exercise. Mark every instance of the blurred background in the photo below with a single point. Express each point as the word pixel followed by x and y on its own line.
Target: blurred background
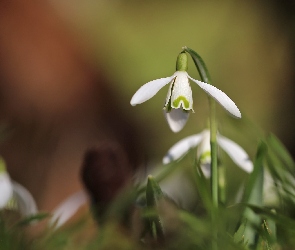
pixel 69 68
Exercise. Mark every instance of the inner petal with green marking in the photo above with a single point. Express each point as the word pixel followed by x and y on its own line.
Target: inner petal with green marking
pixel 167 105
pixel 205 156
pixel 181 100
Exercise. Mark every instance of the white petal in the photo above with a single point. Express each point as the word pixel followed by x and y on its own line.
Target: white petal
pixel 68 208
pixel 176 119
pixel 206 169
pixel 25 201
pixel 149 89
pixel 220 97
pixel 236 153
pixel 182 147
pixel 5 189
pixel 204 153
pixel 182 92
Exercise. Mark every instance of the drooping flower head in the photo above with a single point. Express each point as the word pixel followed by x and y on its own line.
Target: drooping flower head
pixel 180 93
pixel 202 140
pixel 13 195
pixel 179 100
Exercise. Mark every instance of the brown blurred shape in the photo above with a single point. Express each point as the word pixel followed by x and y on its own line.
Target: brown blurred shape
pixel 105 173
pixel 55 101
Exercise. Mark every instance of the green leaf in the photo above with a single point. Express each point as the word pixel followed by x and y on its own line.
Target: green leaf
pixel 283 220
pixel 279 161
pixel 254 194
pixel 154 195
pixel 166 171
pixel 200 64
pixel 281 151
pixel 281 175
pixel 239 236
pixel 203 186
pixel 281 167
pixel 153 192
pixel 275 166
pixel 33 218
pixel 269 229
pixel 266 239
pixel 254 187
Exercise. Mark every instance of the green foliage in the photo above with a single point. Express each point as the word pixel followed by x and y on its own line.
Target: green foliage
pixel 162 224
pixel 154 196
pixel 254 195
pixel 10 238
pixel 32 219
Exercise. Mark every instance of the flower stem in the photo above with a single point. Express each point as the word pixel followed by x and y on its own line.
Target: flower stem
pixel 222 184
pixel 214 171
pixel 213 143
pixel 205 77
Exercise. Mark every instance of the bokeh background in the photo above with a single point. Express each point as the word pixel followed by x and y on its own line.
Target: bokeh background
pixel 69 68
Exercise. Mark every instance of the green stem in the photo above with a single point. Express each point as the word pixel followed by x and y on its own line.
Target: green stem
pixel 214 171
pixel 213 143
pixel 222 184
pixel 205 77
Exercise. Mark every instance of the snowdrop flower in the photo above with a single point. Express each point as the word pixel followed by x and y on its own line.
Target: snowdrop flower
pixel 15 196
pixel 179 99
pixel 202 140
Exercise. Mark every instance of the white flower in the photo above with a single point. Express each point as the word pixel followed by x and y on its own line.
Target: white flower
pixel 179 99
pixel 63 212
pixel 236 153
pixel 15 196
pixel 6 189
